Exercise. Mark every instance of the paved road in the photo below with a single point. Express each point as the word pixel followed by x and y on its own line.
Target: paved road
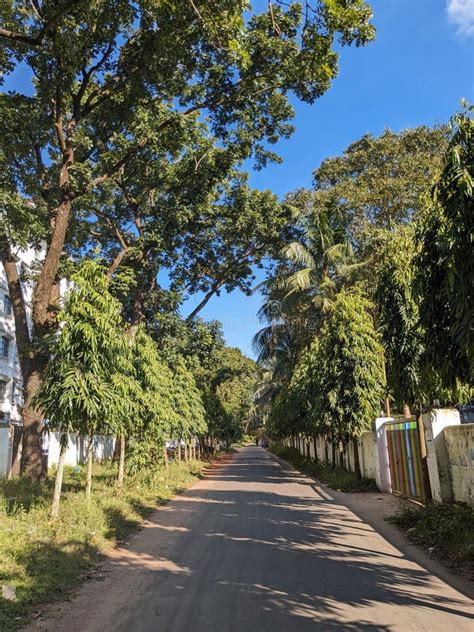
pixel 257 547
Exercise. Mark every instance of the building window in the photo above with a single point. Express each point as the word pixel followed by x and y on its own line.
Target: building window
pixel 7 305
pixel 3 390
pixel 4 347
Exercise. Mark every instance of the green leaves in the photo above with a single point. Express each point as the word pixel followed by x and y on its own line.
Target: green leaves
pixel 86 384
pixel 445 262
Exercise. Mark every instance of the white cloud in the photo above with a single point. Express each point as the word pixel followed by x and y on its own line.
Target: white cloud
pixel 461 14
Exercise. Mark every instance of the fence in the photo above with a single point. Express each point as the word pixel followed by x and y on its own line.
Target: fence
pixel 413 458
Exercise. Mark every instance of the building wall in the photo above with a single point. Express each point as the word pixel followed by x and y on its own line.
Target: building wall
pixel 10 366
pixel 4 451
pixel 460 448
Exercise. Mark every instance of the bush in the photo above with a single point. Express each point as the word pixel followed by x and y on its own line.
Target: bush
pixel 335 477
pixel 447 531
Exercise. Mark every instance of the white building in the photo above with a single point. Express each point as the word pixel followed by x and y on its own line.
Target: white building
pixel 11 383
pixel 11 391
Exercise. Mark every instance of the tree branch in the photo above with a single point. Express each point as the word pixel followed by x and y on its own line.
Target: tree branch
pixel 215 287
pixel 116 263
pixel 50 24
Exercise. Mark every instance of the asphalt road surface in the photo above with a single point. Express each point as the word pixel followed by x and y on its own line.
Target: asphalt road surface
pixel 255 546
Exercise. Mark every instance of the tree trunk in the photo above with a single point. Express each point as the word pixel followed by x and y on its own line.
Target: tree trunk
pixel 355 445
pixel 145 283
pixel 406 411
pixel 121 468
pixel 387 399
pixel 89 468
pixel 308 449
pixel 179 451
pixel 32 464
pixel 31 364
pixel 58 483
pixel 326 450
pixel 315 444
pixel 185 451
pixel 333 445
pixel 165 456
pixel 341 456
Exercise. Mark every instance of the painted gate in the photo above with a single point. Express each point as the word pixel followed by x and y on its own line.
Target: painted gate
pixel 404 456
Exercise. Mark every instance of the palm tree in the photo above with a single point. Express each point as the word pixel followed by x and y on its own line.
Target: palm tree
pixel 301 294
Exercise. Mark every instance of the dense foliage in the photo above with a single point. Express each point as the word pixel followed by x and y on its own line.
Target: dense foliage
pixel 371 308
pixel 446 261
pixel 129 145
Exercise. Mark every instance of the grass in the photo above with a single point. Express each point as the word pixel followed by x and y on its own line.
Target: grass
pixel 43 558
pixel 446 530
pixel 337 478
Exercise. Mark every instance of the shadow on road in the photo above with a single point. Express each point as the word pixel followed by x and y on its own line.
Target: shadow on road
pixel 248 548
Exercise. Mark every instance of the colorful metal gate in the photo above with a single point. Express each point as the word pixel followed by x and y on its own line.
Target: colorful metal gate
pixel 404 456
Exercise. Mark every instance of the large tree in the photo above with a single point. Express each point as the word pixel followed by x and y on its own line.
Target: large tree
pixel 378 181
pixel 354 227
pixel 99 71
pixel 84 382
pixel 446 261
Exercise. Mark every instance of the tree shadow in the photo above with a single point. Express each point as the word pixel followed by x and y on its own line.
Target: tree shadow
pixel 248 553
pixel 45 571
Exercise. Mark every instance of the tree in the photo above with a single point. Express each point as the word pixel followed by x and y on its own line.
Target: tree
pixel 445 262
pixel 80 391
pixel 300 294
pixel 229 396
pixel 337 385
pixel 102 71
pixel 397 312
pixel 188 405
pixel 377 182
pixel 350 227
pixel 158 413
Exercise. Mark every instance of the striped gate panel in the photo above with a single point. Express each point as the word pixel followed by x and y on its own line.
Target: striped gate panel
pixel 404 458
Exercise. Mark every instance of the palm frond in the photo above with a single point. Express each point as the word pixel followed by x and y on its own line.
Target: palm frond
pixel 298 254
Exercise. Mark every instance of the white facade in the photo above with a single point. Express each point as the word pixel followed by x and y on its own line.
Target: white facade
pixel 11 383
pixel 11 393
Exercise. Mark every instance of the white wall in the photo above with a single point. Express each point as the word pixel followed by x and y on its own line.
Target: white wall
pixel 460 448
pixel 439 470
pixel 4 451
pixel 384 482
pixel 103 448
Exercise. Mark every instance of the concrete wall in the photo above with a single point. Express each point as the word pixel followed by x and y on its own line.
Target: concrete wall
pixel 439 470
pixel 368 455
pixel 103 448
pixel 460 448
pixel 449 455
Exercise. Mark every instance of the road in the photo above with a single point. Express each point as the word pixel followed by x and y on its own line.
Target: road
pixel 255 546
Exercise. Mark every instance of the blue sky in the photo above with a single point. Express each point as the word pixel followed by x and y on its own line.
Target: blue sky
pixel 416 72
